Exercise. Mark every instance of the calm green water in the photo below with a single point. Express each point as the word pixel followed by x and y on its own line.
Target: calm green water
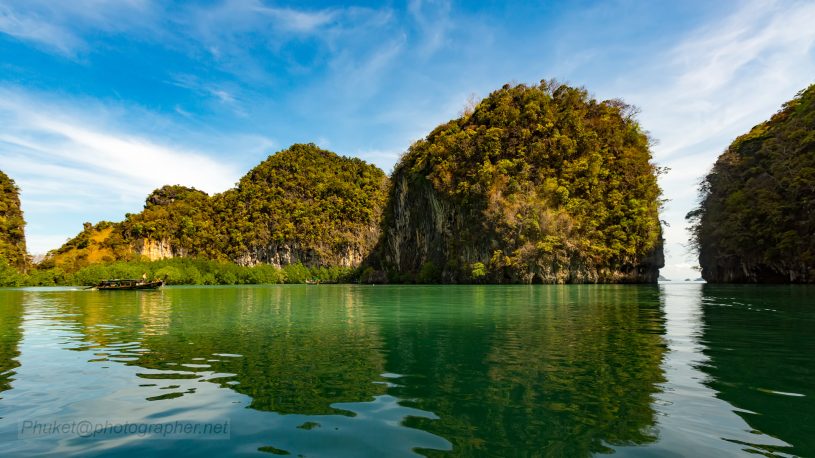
pixel 669 370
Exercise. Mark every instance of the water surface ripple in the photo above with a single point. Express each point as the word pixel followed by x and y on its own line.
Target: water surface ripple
pixel 348 370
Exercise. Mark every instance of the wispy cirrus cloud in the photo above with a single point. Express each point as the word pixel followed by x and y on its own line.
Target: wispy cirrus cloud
pixel 714 85
pixel 70 163
pixel 736 70
pixel 223 93
pixel 28 28
pixel 287 19
pixel 60 27
pixel 67 28
pixel 433 20
pixel 238 16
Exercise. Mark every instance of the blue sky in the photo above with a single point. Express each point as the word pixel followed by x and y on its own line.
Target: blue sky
pixel 103 101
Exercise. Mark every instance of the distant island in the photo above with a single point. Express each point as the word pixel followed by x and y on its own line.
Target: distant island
pixel 756 220
pixel 534 184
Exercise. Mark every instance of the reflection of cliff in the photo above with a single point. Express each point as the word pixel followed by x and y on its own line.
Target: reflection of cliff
pixel 291 349
pixel 154 312
pixel 567 370
pixel 11 318
pixel 563 370
pixel 302 349
pixel 762 358
pixel 106 319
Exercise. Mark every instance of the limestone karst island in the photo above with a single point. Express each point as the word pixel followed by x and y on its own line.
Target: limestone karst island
pixel 416 228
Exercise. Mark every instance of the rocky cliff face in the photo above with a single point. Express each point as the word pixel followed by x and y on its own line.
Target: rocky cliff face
pixel 756 220
pixel 275 255
pixel 537 185
pixel 424 229
pixel 281 255
pixel 157 249
pixel 737 270
pixel 12 225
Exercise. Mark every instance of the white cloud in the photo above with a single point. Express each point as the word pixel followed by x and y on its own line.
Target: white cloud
pixel 297 21
pixel 433 20
pixel 40 244
pixel 382 158
pixel 59 26
pixel 244 15
pixel 723 79
pixel 81 163
pixel 219 92
pixel 31 29
pixel 221 27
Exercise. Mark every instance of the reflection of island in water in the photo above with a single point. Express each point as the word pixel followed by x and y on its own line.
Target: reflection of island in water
pixel 762 359
pixel 568 370
pixel 300 350
pixel 562 370
pixel 292 350
pixel 11 318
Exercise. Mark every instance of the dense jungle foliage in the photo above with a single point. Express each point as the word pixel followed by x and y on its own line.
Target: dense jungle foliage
pixel 546 179
pixel 305 199
pixel 13 254
pixel 756 219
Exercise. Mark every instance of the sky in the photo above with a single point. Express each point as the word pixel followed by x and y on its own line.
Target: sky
pixel 103 101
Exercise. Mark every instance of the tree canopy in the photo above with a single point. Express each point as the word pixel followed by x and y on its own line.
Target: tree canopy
pixel 534 181
pixel 12 226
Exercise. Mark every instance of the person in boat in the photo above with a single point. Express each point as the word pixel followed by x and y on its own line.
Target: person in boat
pixel 144 277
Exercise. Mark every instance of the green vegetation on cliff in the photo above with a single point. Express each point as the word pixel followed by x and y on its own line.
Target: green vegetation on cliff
pixel 182 217
pixel 756 219
pixel 535 184
pixel 13 254
pixel 301 205
pixel 304 204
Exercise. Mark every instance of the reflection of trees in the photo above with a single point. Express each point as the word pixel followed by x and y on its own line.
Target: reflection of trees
pixel 558 370
pixel 561 370
pixel 759 341
pixel 11 318
pixel 301 348
pixel 104 318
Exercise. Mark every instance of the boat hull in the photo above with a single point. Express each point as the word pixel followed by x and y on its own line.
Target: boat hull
pixel 129 286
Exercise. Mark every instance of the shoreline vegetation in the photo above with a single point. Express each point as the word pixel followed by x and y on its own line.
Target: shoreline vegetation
pixel 180 271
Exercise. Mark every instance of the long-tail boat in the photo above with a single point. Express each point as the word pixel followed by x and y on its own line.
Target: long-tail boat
pixel 128 284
